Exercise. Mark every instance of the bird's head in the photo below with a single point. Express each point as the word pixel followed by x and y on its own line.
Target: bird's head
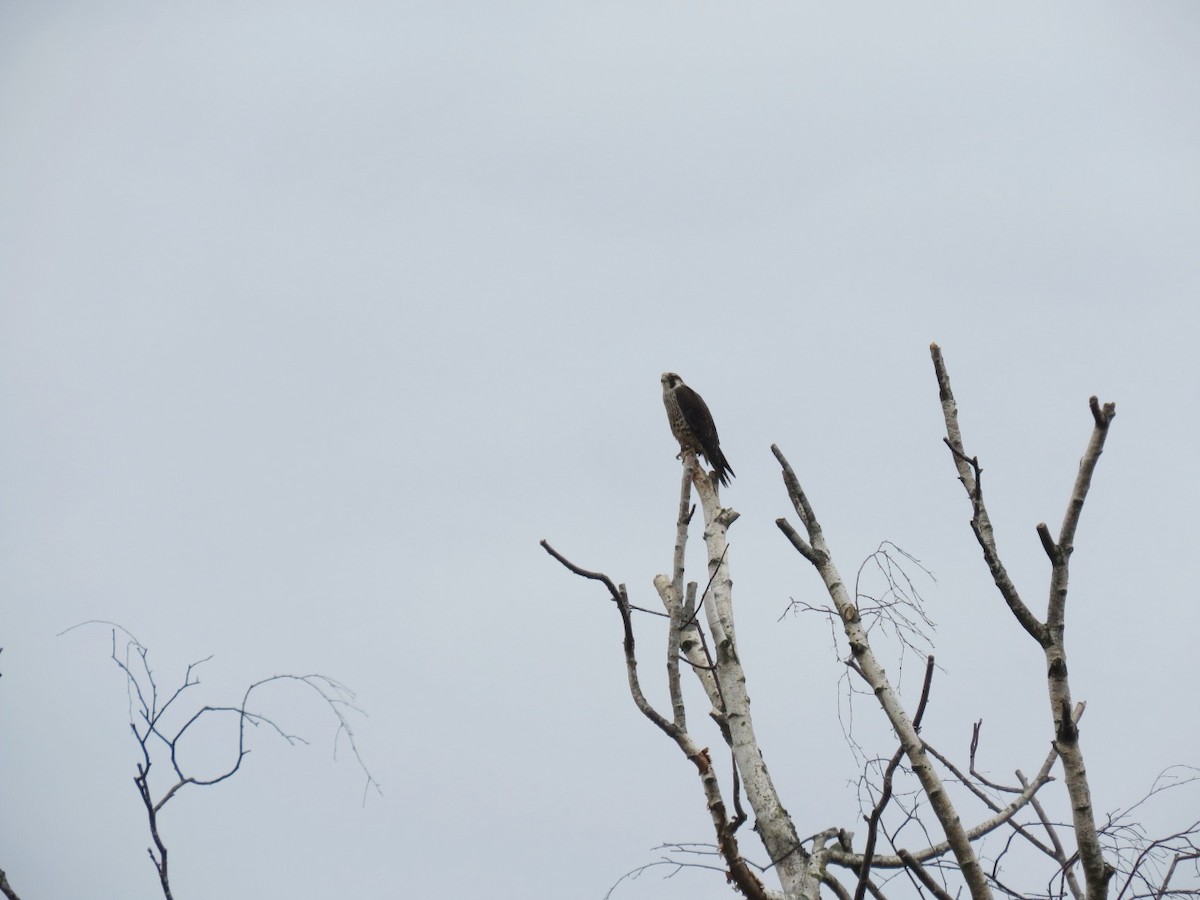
pixel 670 381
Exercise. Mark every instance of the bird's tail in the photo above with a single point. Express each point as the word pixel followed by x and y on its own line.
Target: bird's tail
pixel 722 469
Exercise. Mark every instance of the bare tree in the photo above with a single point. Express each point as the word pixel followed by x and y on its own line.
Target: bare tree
pixel 161 724
pixel 926 816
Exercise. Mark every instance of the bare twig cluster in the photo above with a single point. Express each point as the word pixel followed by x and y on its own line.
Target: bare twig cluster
pixel 891 607
pixel 1148 866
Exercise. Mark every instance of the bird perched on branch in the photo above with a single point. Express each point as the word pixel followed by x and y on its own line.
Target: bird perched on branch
pixel 692 424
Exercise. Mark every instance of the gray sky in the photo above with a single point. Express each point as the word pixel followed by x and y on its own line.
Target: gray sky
pixel 317 317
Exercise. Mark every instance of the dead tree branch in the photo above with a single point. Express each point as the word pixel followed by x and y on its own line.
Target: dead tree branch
pixel 885 794
pixel 798 871
pixel 739 870
pixel 6 888
pixel 860 647
pixel 1050 634
pixel 686 636
pixel 970 475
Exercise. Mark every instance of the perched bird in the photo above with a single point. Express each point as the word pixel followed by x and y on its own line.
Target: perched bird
pixel 692 424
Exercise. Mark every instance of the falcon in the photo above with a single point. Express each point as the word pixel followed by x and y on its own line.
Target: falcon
pixel 692 424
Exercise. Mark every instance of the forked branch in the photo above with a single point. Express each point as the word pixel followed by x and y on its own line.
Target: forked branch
pixel 970 475
pixel 1049 634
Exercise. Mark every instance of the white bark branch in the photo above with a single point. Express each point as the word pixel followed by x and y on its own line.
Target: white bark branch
pixel 970 473
pixel 685 636
pixel 775 827
pixel 1049 635
pixel 1096 870
pixel 864 657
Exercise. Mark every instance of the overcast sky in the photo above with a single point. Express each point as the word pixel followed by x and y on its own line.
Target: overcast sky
pixel 316 317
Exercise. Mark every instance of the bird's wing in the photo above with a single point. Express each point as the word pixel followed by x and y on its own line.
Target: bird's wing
pixel 700 421
pixel 696 414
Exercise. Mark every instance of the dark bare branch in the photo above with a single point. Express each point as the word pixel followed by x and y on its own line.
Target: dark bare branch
pixel 584 573
pixel 853 860
pixel 885 794
pixel 925 686
pixel 6 888
pixel 991 804
pixel 738 869
pixel 1048 543
pixel 923 876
